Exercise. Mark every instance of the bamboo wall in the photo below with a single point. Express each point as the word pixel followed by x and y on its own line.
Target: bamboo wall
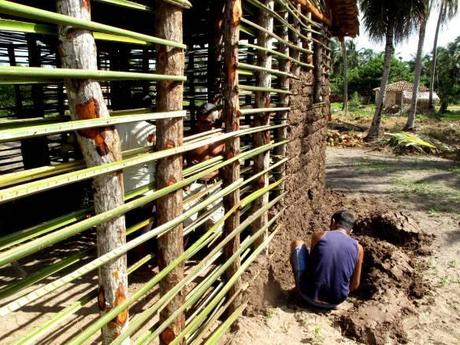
pixel 180 291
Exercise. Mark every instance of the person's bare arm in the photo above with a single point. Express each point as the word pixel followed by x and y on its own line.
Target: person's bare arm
pixel 356 278
pixel 315 237
pixel 217 149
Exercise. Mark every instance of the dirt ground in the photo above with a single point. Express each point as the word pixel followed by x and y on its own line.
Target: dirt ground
pixel 408 222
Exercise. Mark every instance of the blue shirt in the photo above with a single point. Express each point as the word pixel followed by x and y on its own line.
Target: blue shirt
pixel 330 268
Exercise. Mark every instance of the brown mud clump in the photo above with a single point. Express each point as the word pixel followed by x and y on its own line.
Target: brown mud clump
pixel 391 279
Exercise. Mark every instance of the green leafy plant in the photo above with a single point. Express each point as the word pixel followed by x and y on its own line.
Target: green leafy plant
pixel 407 141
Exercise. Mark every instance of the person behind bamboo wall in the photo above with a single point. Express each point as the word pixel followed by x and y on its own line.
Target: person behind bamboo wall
pixel 208 119
pixel 136 135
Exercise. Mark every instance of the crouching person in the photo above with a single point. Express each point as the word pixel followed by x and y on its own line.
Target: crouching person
pixel 325 275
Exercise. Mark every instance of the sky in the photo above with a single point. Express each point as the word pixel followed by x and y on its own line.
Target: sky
pixel 408 49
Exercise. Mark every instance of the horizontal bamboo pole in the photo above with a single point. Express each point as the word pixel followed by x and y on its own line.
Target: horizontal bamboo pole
pixel 201 317
pixel 101 260
pixel 263 110
pixel 126 4
pixel 39 332
pixel 61 127
pixel 275 15
pixel 269 70
pixel 147 337
pixel 15 9
pixel 190 252
pixel 44 29
pixel 275 36
pixel 262 89
pixel 276 53
pixel 11 73
pixel 220 331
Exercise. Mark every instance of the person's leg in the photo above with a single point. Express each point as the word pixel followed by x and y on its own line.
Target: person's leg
pixel 299 260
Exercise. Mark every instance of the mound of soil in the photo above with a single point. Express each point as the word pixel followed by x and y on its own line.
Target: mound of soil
pixel 392 273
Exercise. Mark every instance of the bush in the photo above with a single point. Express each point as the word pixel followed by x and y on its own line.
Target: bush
pixel 355 101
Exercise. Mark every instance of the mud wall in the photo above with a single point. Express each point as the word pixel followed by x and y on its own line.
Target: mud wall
pixel 306 151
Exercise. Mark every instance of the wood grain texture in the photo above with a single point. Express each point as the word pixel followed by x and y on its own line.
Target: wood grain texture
pixel 169 170
pixel 233 14
pixel 77 49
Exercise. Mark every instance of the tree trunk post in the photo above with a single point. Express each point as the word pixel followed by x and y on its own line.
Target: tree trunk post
pixel 171 61
pixel 282 117
pixel 295 53
pixel 215 53
pixel 262 100
pixel 318 71
pixel 410 125
pixel 389 50
pixel 99 146
pixel 345 74
pixel 233 14
pixel 435 55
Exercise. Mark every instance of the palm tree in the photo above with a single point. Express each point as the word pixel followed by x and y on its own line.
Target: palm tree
pixel 448 9
pixel 410 125
pixel 345 75
pixel 391 21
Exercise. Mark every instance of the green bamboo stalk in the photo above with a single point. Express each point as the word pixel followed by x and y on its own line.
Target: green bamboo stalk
pixel 96 325
pixel 275 36
pixel 11 74
pixel 149 336
pixel 44 29
pixel 35 277
pixel 263 110
pixel 61 127
pixel 262 89
pixel 250 198
pixel 269 70
pixel 276 54
pixel 201 317
pixel 15 9
pixel 40 331
pixel 15 305
pixel 219 332
pixel 126 4
pixel 149 312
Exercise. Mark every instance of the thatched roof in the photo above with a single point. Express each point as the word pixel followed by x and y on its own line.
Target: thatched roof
pixel 341 16
pixel 402 85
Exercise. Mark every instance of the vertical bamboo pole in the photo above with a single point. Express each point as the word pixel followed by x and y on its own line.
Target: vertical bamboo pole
pixel 169 25
pixel 233 14
pixel 317 71
pixel 99 146
pixel 282 117
pixel 263 100
pixel 309 46
pixel 295 39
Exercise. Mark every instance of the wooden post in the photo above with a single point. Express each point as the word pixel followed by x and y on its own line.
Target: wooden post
pixel 263 100
pixel 309 59
pixel 17 90
pixel 215 52
pixel 295 39
pixel 99 146
pixel 317 71
pixel 169 25
pixel 282 117
pixel 233 14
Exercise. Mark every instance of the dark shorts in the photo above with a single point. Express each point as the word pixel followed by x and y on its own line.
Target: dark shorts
pixel 299 262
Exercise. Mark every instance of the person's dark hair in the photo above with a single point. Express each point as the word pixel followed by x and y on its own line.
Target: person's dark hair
pixel 206 108
pixel 344 219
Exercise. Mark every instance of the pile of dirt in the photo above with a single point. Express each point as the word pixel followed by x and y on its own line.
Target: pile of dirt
pixel 347 139
pixel 392 273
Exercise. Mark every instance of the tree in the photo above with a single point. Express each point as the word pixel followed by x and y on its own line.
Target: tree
pixel 99 146
pixel 418 68
pixel 345 75
pixel 391 21
pixel 448 9
pixel 449 74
